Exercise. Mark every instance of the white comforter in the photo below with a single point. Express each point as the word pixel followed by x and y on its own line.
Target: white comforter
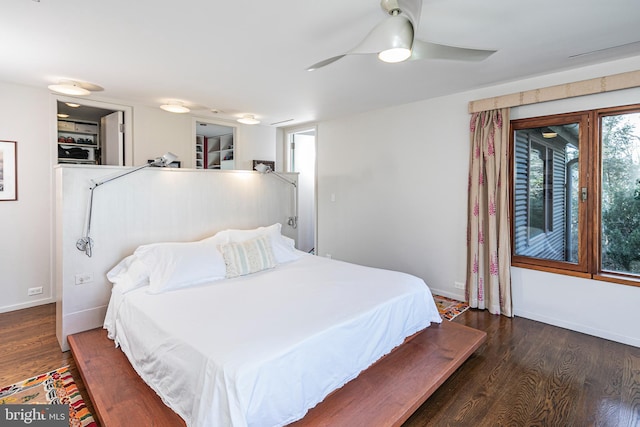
pixel 262 349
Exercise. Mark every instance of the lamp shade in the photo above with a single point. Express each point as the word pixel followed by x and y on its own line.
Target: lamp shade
pixel 262 168
pixel 391 40
pixel 166 159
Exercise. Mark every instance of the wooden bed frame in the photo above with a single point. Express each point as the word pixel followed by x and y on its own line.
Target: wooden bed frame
pixel 385 394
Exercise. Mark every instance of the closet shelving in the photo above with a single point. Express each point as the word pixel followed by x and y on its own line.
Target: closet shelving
pixel 215 152
pixel 78 142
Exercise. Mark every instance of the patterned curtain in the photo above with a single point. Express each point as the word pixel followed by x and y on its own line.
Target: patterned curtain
pixel 488 240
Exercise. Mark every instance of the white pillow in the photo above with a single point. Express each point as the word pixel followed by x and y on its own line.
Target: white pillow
pixel 249 256
pixel 180 264
pixel 283 247
pixel 129 274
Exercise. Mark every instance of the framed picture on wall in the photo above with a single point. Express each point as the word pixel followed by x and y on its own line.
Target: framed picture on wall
pixel 8 171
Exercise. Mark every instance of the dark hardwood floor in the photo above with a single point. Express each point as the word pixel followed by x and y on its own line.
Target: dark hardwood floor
pixel 532 374
pixel 29 347
pixel 527 373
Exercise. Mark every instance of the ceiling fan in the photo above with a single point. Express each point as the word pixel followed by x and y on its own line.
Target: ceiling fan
pixel 393 39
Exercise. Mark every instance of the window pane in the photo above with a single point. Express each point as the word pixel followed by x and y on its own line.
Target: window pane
pixel 537 199
pixel 620 199
pixel 546 192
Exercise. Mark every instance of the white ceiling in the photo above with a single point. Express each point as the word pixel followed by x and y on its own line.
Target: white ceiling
pixel 249 57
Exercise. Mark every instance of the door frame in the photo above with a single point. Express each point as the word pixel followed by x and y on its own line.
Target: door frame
pixel 287 133
pixel 128 123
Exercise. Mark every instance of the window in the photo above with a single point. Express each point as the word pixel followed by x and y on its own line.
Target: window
pixel 575 204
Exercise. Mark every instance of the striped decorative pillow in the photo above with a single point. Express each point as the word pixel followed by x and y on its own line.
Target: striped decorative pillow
pixel 248 257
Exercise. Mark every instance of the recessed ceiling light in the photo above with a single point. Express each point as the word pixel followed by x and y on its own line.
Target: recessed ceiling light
pixel 248 119
pixel 549 134
pixel 68 87
pixel 175 107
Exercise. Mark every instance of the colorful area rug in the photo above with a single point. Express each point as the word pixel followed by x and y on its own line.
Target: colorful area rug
pixel 449 308
pixel 53 388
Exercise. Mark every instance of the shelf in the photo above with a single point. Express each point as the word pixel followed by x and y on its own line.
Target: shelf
pixel 215 152
pixel 78 144
pixel 75 136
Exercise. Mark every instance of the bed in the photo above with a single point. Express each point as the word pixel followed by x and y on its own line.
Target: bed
pixel 241 329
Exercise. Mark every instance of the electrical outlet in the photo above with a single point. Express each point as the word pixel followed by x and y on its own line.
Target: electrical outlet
pixel 83 278
pixel 34 291
pixel 458 285
pixel 328 256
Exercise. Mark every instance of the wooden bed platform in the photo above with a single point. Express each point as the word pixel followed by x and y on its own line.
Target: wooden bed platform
pixel 386 394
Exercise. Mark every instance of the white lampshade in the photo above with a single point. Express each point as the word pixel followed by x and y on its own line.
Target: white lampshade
pixel 166 159
pixel 262 168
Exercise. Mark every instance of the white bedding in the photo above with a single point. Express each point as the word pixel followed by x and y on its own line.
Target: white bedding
pixel 262 349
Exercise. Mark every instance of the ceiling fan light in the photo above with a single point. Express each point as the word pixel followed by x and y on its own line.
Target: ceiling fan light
pixel 396 54
pixel 248 119
pixel 175 107
pixel 69 88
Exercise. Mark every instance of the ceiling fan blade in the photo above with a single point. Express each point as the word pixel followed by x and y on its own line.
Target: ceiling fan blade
pixel 325 62
pixel 427 50
pixel 395 31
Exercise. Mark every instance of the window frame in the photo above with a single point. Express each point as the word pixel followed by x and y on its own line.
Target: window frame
pixel 589 211
pixel 582 119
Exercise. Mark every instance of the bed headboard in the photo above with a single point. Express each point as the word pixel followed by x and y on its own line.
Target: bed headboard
pixel 152 205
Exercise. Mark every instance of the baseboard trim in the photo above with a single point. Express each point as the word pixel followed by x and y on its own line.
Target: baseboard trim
pixel 447 294
pixel 80 321
pixel 577 327
pixel 29 304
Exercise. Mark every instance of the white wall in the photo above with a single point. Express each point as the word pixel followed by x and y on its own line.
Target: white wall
pixel 399 180
pixel 27 115
pixel 25 225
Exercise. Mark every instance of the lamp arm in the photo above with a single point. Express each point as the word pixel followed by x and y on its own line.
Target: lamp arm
pixel 264 169
pixel 283 178
pixel 113 178
pixel 85 244
pixel 293 220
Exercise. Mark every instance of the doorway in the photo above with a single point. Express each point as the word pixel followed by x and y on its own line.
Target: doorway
pixel 93 133
pixel 300 157
pixel 214 145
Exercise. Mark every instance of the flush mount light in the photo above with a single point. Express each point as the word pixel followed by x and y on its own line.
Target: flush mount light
pixel 175 107
pixel 72 104
pixel 68 87
pixel 248 119
pixel 62 115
